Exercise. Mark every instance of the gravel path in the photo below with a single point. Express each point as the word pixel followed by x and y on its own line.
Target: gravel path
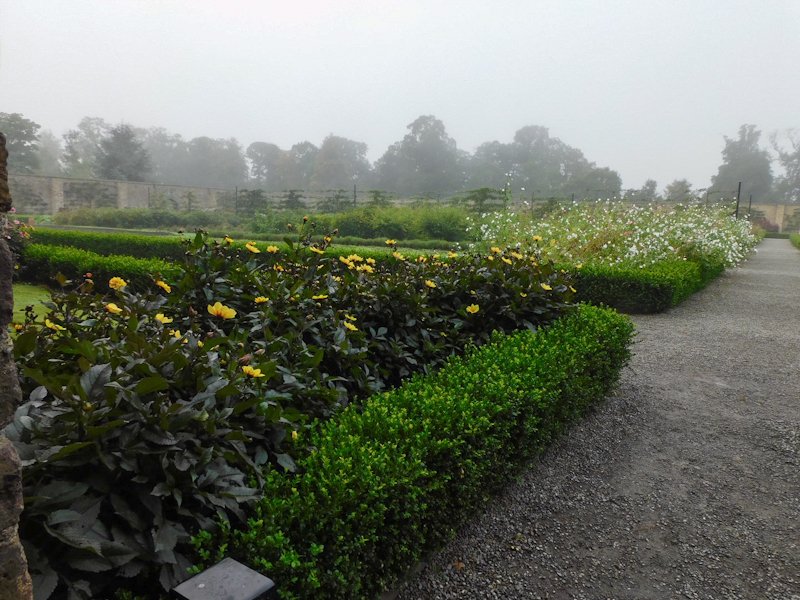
pixel 685 484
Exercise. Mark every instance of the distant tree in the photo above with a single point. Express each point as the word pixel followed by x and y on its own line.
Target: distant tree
pixel 49 153
pixel 787 185
pixel 541 164
pixel 744 160
pixel 169 156
pixel 298 166
pixel 215 163
pixel 266 165
pixel 122 156
pixel 81 146
pixel 427 160
pixel 647 193
pixel 22 142
pixel 679 190
pixel 339 163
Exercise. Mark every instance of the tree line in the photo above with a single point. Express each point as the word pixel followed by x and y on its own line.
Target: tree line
pixel 426 162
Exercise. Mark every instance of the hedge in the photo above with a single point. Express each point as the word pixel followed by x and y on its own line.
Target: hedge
pixel 130 244
pixel 388 483
pixel 41 263
pixel 795 239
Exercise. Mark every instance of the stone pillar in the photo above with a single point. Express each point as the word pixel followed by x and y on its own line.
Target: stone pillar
pixel 15 583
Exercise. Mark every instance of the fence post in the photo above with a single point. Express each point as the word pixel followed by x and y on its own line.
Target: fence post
pixel 738 196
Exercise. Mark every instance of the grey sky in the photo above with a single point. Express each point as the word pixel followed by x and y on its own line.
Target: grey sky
pixel 645 87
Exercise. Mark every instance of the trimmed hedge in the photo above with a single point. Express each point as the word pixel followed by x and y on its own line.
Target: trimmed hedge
pixel 130 244
pixel 387 483
pixel 795 239
pixel 42 263
pixel 634 290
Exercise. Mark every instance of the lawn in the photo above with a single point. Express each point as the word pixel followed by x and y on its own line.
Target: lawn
pixel 24 295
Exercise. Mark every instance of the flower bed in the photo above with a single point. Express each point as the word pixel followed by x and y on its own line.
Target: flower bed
pixel 195 387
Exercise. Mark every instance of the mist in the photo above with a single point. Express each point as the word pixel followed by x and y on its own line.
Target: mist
pixel 649 90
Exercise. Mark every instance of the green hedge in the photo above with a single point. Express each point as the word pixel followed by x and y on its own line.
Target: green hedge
pixel 795 239
pixel 130 244
pixel 41 263
pixel 386 484
pixel 651 290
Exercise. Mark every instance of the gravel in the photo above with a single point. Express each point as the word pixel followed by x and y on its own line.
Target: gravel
pixel 685 484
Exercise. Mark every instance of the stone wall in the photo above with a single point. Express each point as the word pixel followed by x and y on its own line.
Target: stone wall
pixel 34 194
pixel 15 583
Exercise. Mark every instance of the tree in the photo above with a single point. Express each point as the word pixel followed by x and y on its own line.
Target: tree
pixel 265 165
pixel 22 142
pixel 427 160
pixel 215 163
pixel 49 153
pixel 81 146
pixel 679 190
pixel 169 155
pixel 743 160
pixel 339 163
pixel 788 185
pixel 122 156
pixel 298 166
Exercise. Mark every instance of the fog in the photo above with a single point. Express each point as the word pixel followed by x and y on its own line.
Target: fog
pixel 646 88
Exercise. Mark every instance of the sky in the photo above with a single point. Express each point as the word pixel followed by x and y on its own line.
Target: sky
pixel 649 88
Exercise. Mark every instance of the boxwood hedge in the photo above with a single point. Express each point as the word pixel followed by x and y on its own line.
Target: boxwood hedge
pixel 386 483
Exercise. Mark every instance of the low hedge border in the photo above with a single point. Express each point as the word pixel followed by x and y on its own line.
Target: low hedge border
pixel 386 484
pixel 41 263
pixel 634 290
pixel 795 239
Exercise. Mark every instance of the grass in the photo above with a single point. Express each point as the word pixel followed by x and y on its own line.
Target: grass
pixel 24 295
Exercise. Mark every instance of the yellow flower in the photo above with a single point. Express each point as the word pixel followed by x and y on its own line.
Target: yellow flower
pixel 473 308
pixel 319 297
pixel 278 268
pixel 18 326
pixel 366 269
pixel 228 240
pixel 398 256
pixel 176 333
pixel 579 266
pixel 221 311
pixel 391 242
pixel 350 326
pixel 200 343
pixel 546 287
pixel 316 250
pixel 53 326
pixel 572 289
pixel 251 372
pixel 251 246
pixel 261 299
pixel 371 261
pixel 355 258
pixel 346 261
pixel 164 286
pixel 349 317
pixel 537 238
pixel 272 249
pixel 294 435
pixel 490 257
pixel 506 260
pixel 113 308
pixel 328 239
pixel 117 283
pixel 162 319
pixel 523 295
pixel 452 254
pixel 422 259
pixel 430 284
pixel 495 250
pixel 516 255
